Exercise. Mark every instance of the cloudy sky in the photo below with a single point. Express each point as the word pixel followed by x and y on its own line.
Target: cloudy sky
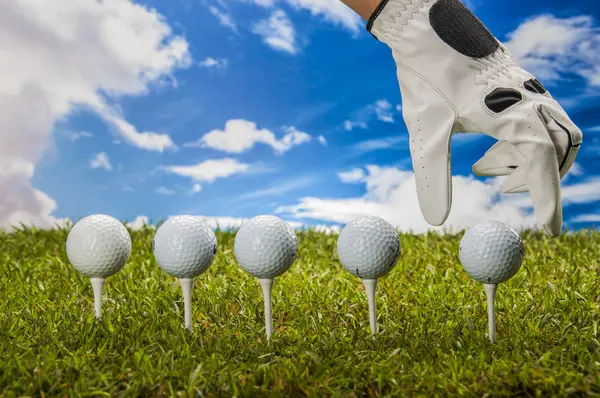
pixel 235 108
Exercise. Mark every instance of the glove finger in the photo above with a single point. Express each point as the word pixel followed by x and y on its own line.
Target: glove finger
pixel 540 173
pixel 516 181
pixel 565 135
pixel 500 160
pixel 430 153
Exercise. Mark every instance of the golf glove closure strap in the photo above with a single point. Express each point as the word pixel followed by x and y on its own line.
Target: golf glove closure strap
pixel 455 76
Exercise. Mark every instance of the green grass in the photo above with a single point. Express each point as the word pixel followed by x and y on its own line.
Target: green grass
pixel 432 318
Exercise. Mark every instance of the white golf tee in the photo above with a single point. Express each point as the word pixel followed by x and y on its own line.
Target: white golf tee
pixel 267 288
pixel 97 287
pixel 370 285
pixel 187 284
pixel 490 290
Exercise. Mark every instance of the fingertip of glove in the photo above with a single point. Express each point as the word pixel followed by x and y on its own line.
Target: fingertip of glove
pixel 553 229
pixel 436 220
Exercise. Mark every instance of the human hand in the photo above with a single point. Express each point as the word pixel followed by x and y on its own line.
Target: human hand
pixel 456 77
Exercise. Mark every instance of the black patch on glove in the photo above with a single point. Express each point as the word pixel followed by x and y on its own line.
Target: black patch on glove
pixel 458 27
pixel 535 86
pixel 501 99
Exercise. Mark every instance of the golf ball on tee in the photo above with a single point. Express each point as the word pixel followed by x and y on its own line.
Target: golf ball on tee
pixel 266 246
pixel 98 246
pixel 184 246
pixel 491 252
pixel 368 247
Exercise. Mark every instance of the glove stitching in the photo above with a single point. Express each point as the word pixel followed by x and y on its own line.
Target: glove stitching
pixel 430 84
pixel 406 11
pixel 494 67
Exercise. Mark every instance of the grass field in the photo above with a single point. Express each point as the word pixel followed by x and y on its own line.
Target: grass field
pixel 432 320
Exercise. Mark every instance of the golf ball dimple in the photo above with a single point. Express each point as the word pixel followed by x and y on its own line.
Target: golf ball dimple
pixel 491 252
pixel 98 246
pixel 184 246
pixel 368 247
pixel 266 246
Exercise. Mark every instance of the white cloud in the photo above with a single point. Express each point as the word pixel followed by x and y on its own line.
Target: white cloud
pixel 210 62
pixel 588 218
pixel 210 170
pixel 292 138
pixel 381 110
pixel 21 203
pixel 278 189
pixel 391 195
pixel 224 222
pixel 327 229
pixel 575 170
pixel 224 18
pixel 196 188
pixel 65 55
pixel 237 222
pixel 554 48
pixel 77 135
pixel 101 161
pixel 146 140
pixel 332 11
pixel 350 125
pixel 322 140
pixel 352 176
pixel 241 135
pixel 278 32
pixel 379 143
pixel 165 191
pixel 583 192
pixel 139 222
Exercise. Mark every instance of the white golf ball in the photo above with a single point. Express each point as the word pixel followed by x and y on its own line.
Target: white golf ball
pixel 491 252
pixel 98 246
pixel 184 246
pixel 368 247
pixel 266 246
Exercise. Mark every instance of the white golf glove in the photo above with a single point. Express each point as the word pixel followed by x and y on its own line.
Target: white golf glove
pixel 455 77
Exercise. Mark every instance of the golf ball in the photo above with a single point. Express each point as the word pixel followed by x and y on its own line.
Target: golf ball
pixel 491 252
pixel 266 246
pixel 98 246
pixel 184 246
pixel 368 247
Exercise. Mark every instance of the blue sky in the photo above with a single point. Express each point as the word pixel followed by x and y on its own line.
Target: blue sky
pixel 266 107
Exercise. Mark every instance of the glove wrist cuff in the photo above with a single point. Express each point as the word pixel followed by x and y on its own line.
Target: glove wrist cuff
pixel 374 16
pixel 394 13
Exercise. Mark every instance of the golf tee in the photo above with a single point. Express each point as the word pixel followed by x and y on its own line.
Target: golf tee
pixel 370 285
pixel 490 291
pixel 97 287
pixel 267 288
pixel 187 285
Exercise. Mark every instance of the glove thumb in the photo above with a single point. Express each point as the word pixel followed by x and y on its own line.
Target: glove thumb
pixel 500 160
